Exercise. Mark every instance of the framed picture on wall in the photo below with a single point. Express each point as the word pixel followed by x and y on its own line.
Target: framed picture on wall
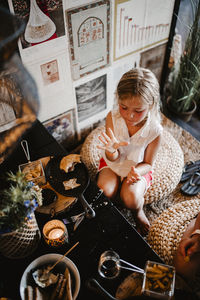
pixel 89 31
pixel 140 24
pixel 153 59
pixel 44 20
pixel 91 97
pixel 63 129
pixel 50 72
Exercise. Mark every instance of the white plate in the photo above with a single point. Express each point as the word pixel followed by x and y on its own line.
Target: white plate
pixel 51 259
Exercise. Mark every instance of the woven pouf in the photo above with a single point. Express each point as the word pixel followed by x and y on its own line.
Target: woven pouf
pixel 167 230
pixel 168 166
pixel 22 242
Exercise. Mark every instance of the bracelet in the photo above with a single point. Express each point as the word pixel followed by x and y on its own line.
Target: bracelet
pixel 112 153
pixel 197 231
pixel 110 150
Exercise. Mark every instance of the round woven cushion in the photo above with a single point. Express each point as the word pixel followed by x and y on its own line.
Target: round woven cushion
pixel 167 230
pixel 167 170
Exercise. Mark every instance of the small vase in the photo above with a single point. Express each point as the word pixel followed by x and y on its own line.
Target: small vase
pixel 183 115
pixel 21 242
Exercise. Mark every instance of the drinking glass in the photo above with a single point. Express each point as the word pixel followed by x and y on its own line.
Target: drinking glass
pixel 109 266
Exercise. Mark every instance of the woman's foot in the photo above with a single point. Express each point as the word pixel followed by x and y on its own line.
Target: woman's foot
pixel 142 223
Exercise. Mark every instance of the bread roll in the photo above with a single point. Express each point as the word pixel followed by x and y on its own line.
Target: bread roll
pixel 68 162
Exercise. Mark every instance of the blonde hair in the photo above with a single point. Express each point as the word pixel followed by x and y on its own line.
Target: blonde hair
pixel 141 82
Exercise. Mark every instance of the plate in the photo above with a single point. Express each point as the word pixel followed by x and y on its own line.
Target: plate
pixel 60 268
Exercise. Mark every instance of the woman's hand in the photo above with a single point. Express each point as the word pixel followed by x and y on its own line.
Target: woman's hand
pixel 190 246
pixel 110 143
pixel 133 176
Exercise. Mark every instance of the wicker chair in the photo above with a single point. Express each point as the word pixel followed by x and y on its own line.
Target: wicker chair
pixel 168 166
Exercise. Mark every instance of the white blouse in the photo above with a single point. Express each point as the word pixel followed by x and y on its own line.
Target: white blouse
pixel 132 154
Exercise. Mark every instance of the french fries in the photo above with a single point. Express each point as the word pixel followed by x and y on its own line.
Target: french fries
pixel 34 172
pixel 159 278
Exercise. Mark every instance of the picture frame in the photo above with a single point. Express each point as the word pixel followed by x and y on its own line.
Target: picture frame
pixel 137 29
pixel 63 129
pixel 91 97
pixel 49 14
pixel 89 33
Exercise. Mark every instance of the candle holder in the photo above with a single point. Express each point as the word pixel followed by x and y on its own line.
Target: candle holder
pixel 55 233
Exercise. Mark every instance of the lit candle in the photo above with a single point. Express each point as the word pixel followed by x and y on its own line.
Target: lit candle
pixel 55 233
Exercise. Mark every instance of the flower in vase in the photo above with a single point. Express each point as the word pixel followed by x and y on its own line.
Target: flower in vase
pixel 18 202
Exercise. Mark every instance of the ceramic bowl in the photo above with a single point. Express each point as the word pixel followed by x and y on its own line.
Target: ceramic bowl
pixel 59 268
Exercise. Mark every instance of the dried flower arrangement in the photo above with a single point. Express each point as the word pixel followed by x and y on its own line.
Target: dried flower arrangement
pixel 18 202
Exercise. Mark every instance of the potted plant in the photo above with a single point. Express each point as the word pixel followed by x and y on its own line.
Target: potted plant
pixel 184 80
pixel 19 232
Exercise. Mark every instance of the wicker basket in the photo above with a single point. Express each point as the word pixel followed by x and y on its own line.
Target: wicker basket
pixel 22 242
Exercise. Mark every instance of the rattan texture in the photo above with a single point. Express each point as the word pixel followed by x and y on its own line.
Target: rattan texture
pixel 22 242
pixel 167 170
pixel 167 230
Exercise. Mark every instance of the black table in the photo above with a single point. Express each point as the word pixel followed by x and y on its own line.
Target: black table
pixel 108 230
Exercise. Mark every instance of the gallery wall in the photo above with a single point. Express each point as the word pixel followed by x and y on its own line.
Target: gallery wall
pixel 77 50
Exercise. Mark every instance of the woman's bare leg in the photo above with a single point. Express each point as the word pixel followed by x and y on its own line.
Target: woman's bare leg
pixel 133 197
pixel 108 181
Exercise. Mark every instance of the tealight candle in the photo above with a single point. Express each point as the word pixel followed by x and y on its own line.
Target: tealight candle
pixel 55 233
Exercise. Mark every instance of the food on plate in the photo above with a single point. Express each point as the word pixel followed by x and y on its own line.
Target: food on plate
pixel 43 277
pixel 59 289
pixel 49 285
pixel 130 287
pixel 68 162
pixel 159 278
pixel 68 285
pixel 31 293
pixel 70 184
pixel 32 171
